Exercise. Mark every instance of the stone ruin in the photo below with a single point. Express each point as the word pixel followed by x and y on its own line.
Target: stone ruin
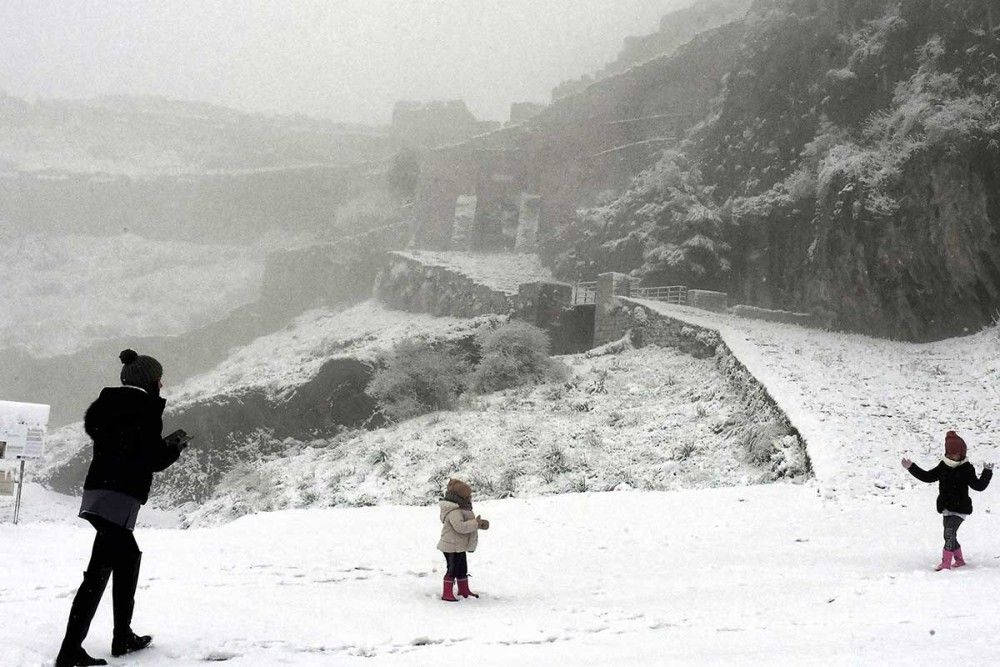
pixel 507 222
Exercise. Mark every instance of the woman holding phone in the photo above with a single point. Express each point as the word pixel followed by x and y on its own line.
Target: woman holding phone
pixel 125 424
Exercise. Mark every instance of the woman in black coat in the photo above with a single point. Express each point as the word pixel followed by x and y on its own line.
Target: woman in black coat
pixel 125 424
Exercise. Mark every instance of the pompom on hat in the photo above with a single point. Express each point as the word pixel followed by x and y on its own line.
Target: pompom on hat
pixel 954 446
pixel 138 370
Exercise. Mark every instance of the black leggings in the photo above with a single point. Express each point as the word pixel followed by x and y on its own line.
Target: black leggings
pixel 458 566
pixel 114 546
pixel 951 524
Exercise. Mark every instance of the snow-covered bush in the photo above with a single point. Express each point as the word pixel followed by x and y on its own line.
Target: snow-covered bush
pixel 418 378
pixel 512 355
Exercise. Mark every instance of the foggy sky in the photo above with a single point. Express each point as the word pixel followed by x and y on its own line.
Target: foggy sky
pixel 342 59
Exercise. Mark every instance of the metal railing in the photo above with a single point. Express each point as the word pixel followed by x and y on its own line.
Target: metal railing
pixel 668 294
pixel 586 293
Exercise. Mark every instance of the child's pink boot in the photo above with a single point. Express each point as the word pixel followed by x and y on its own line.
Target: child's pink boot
pixel 959 561
pixel 449 594
pixel 945 563
pixel 463 589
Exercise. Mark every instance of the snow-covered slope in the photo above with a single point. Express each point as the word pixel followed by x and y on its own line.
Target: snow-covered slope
pixel 863 403
pixel 279 362
pixel 648 419
pixel 771 574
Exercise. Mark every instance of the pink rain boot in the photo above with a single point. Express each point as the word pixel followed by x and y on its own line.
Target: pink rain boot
pixel 959 561
pixel 449 594
pixel 945 563
pixel 463 589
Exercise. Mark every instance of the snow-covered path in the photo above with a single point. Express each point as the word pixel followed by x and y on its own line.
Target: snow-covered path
pixel 862 403
pixel 775 574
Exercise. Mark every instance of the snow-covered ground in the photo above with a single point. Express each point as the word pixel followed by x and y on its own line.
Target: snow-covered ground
pixel 863 403
pixel 771 574
pixel 59 293
pixel 503 272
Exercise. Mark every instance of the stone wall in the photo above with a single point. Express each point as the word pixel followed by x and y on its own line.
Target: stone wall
pixel 707 300
pixel 769 315
pixel 435 123
pixel 407 284
pixel 463 227
pixel 646 327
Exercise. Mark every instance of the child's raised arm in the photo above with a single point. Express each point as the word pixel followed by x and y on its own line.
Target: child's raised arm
pixel 921 474
pixel 980 483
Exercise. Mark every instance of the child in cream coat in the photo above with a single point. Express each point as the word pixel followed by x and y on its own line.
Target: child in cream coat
pixel 460 528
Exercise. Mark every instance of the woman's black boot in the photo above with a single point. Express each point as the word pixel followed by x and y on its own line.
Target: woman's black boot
pixel 77 658
pixel 129 643
pixel 123 598
pixel 81 613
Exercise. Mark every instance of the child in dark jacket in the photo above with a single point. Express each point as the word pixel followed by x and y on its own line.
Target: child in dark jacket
pixel 955 476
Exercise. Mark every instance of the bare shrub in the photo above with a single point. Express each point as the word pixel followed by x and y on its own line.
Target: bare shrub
pixel 554 463
pixel 759 441
pixel 515 354
pixel 417 378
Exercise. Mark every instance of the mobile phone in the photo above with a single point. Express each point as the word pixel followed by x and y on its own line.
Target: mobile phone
pixel 179 437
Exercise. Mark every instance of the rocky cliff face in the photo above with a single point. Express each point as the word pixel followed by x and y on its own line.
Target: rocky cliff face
pixel 858 144
pixel 847 168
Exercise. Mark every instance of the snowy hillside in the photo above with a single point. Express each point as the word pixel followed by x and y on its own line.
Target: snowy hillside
pixel 280 362
pixel 645 419
pixel 59 293
pixel 275 367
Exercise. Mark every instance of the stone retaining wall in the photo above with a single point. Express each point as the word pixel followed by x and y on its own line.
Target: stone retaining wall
pixel 407 284
pixel 785 316
pixel 707 300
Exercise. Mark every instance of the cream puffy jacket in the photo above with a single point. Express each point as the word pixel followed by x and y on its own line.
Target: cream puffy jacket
pixel 459 529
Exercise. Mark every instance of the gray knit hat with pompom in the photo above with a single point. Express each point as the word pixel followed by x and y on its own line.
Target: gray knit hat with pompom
pixel 139 370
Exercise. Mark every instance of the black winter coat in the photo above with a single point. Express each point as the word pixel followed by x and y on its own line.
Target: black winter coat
pixel 953 484
pixel 126 425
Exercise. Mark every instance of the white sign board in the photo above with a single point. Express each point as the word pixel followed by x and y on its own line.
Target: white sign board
pixel 22 430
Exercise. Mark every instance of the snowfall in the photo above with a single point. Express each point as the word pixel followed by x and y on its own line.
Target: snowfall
pixel 837 569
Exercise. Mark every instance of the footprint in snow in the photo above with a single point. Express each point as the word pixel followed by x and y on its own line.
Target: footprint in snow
pixel 220 656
